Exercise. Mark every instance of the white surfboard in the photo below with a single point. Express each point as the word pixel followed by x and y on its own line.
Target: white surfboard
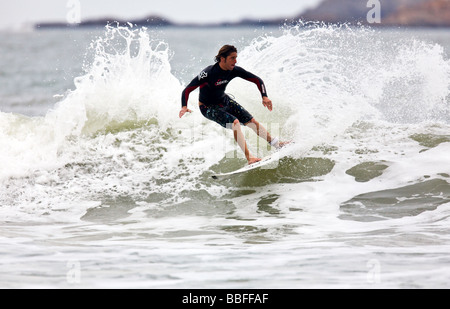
pixel 269 162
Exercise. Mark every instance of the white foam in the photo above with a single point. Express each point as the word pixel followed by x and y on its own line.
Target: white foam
pixel 119 128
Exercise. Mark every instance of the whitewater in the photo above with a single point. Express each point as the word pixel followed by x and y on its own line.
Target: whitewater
pixel 103 186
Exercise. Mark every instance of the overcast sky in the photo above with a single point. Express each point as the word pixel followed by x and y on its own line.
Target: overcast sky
pixel 17 12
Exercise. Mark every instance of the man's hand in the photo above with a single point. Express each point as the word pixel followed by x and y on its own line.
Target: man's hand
pixel 184 110
pixel 267 103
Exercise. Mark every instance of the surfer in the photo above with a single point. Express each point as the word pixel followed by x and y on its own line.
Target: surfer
pixel 217 106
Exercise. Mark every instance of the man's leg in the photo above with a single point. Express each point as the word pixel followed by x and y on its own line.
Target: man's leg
pixel 240 139
pixel 263 133
pixel 259 130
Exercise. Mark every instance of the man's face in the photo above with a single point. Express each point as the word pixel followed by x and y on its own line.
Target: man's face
pixel 230 61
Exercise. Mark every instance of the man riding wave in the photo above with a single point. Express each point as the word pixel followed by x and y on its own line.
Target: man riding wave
pixel 217 106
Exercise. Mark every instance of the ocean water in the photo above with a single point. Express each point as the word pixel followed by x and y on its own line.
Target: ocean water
pixel 103 186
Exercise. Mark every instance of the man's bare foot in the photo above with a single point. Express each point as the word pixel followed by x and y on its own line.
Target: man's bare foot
pixel 253 160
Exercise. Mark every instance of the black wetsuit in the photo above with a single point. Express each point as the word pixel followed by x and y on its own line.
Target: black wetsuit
pixel 218 106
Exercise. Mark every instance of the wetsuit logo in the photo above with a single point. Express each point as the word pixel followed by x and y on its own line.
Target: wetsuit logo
pixel 221 82
pixel 202 75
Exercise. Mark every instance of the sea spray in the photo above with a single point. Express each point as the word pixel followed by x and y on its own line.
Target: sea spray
pixel 325 78
pixel 129 82
pixel 117 135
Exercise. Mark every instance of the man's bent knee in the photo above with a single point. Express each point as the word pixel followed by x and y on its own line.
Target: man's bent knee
pixel 252 121
pixel 236 124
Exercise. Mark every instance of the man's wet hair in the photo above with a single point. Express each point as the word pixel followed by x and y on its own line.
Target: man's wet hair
pixel 225 51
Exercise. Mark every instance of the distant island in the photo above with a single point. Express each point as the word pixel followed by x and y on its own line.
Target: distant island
pixel 151 21
pixel 408 13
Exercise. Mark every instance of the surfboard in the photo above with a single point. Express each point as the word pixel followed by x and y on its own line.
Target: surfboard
pixel 269 162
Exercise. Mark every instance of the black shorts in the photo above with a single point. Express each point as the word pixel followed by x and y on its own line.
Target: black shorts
pixel 226 114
